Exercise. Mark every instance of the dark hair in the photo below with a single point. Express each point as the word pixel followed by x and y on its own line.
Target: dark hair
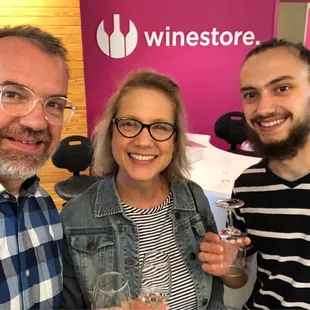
pixel 303 52
pixel 38 37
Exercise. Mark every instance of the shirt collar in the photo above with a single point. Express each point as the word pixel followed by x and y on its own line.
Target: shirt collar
pixel 108 202
pixel 2 189
pixel 29 187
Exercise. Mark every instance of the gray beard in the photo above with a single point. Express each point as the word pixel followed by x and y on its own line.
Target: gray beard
pixel 17 165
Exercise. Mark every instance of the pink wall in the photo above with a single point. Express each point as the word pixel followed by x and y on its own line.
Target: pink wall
pixel 207 75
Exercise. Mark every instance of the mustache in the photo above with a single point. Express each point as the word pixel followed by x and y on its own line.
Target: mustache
pixel 261 118
pixel 25 132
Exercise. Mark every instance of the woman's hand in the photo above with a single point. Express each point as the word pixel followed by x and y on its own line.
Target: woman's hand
pixel 137 304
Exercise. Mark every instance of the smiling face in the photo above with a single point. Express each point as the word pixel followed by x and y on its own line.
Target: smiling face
pixel 27 142
pixel 142 158
pixel 275 93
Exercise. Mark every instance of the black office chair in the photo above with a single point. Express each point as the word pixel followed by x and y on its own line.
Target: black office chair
pixel 231 127
pixel 74 154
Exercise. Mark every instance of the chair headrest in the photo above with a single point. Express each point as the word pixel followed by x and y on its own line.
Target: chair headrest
pixel 231 127
pixel 75 154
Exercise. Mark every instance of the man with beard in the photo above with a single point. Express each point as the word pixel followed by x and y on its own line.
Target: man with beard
pixel 33 108
pixel 275 88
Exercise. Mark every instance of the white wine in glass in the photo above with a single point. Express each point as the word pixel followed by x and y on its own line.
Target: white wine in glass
pixel 155 277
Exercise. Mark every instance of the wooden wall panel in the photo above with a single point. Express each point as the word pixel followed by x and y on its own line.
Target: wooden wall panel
pixel 61 18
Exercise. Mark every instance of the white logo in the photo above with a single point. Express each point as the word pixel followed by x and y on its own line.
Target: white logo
pixel 117 45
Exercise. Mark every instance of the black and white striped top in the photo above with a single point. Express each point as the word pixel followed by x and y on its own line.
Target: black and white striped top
pixel 156 232
pixel 276 216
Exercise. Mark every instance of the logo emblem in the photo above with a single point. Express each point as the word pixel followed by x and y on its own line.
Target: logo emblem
pixel 117 45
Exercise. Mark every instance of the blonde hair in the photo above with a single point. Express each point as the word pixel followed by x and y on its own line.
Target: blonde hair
pixel 104 163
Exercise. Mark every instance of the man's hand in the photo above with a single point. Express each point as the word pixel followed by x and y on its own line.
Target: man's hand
pixel 216 254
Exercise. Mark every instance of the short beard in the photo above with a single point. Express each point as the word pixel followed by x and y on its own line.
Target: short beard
pixel 285 149
pixel 19 165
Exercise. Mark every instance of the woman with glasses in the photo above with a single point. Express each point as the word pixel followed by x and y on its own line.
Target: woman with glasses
pixel 144 203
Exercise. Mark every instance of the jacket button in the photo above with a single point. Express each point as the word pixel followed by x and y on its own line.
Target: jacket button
pixel 192 256
pixel 90 245
pixel 131 262
pixel 205 302
pixel 177 215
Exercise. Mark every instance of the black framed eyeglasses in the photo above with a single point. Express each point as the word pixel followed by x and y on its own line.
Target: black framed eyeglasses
pixel 131 128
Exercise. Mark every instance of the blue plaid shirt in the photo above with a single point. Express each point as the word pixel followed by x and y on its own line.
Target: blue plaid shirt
pixel 30 249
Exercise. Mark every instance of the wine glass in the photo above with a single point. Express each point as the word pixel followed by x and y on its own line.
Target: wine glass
pixel 111 291
pixel 232 241
pixel 226 163
pixel 155 277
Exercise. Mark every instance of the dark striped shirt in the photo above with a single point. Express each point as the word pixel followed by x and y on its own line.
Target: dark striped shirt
pixel 156 232
pixel 276 216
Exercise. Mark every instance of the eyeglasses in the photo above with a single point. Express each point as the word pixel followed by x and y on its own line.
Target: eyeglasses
pixel 19 101
pixel 131 128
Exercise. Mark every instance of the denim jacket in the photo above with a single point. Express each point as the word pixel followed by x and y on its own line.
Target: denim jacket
pixel 100 238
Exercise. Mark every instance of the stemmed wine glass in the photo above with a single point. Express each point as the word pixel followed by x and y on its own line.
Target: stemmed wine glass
pixel 111 292
pixel 232 240
pixel 226 163
pixel 155 277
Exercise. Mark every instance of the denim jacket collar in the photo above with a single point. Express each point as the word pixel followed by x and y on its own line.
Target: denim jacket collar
pixel 107 195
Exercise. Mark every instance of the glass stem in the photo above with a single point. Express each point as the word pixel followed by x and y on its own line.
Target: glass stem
pixel 230 221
